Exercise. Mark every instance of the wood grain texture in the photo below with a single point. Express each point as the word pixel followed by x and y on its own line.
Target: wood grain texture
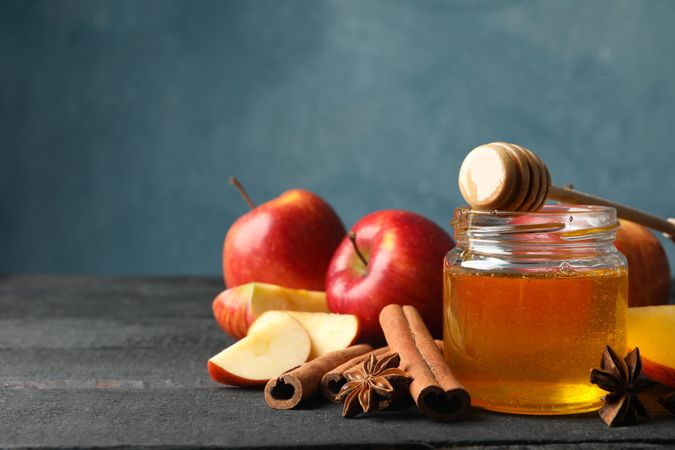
pixel 78 372
pixel 223 417
pixel 123 298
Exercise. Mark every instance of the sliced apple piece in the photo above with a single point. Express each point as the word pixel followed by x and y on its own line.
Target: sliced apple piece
pixel 652 330
pixel 235 309
pixel 280 344
pixel 327 332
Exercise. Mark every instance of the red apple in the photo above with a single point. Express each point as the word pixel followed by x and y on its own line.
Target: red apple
pixel 399 260
pixel 648 270
pixel 288 241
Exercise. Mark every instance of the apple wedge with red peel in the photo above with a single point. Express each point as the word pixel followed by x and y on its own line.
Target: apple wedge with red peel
pixel 235 309
pixel 276 346
pixel 327 332
pixel 652 330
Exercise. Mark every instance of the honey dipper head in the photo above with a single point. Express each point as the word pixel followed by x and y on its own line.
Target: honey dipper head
pixel 503 176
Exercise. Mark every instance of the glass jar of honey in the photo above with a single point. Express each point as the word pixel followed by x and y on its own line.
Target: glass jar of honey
pixel 530 301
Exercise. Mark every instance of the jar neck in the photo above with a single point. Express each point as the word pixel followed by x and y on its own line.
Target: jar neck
pixel 554 231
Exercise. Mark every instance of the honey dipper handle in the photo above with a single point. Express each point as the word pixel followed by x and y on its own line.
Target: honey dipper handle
pixel 625 212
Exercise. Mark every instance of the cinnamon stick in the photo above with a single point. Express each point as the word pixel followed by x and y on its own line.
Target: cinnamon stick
pixel 289 389
pixel 435 390
pixel 332 381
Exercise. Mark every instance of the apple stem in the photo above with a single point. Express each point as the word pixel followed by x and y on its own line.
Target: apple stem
pixel 352 237
pixel 237 184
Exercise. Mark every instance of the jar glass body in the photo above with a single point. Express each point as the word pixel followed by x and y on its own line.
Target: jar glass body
pixel 530 301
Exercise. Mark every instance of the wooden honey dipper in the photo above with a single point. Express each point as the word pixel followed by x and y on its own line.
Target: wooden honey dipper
pixel 503 176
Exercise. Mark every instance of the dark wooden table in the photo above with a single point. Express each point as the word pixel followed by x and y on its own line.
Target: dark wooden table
pixel 121 362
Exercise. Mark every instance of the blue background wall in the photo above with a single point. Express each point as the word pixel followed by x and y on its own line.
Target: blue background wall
pixel 120 121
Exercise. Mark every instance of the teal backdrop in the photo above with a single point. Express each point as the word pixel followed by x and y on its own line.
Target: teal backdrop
pixel 121 121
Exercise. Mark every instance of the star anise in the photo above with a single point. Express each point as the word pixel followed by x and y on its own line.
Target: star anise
pixel 668 402
pixel 621 378
pixel 372 385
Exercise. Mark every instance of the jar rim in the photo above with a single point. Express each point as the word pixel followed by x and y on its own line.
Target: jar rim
pixel 566 222
pixel 546 210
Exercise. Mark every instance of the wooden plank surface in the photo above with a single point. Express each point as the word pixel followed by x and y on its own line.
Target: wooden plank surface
pixel 118 362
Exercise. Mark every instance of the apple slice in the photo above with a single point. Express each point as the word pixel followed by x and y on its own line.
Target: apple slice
pixel 235 309
pixel 280 344
pixel 652 330
pixel 327 332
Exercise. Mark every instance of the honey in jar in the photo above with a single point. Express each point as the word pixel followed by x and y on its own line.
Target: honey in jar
pixel 530 302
